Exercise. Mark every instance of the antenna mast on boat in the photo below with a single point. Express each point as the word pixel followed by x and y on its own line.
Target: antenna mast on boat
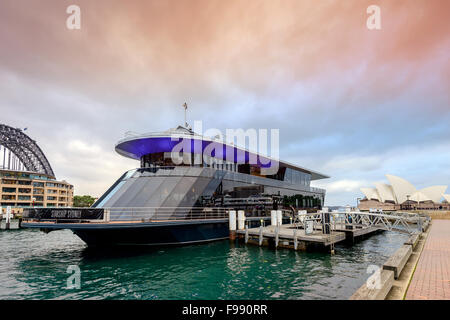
pixel 185 110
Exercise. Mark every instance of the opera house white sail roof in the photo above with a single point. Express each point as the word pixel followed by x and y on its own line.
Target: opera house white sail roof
pixel 447 197
pixel 400 190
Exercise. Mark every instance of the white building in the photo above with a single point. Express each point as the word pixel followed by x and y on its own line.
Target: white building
pixel 401 192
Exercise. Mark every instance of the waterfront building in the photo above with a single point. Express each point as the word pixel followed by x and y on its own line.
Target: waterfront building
pixel 31 189
pixel 400 194
pixel 26 176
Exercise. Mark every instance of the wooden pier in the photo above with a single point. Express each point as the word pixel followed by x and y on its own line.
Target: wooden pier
pixel 287 236
pixel 320 230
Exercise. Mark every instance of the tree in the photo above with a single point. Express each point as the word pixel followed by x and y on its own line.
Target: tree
pixel 83 201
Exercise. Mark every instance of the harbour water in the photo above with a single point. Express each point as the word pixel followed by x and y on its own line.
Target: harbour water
pixel 34 265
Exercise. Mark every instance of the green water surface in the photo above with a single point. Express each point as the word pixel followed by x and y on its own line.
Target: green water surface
pixel 34 266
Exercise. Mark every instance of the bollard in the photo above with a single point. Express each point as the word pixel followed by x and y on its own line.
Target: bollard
pixel 273 217
pixel 241 220
pixel 279 217
pixel 232 224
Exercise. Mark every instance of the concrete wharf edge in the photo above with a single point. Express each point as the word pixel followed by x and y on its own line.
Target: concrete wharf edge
pixel 365 292
pixel 398 260
pixel 416 243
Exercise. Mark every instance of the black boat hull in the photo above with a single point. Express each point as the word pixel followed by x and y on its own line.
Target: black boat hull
pixel 156 233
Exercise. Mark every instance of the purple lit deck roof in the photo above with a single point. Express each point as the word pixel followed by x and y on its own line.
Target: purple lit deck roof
pixel 136 147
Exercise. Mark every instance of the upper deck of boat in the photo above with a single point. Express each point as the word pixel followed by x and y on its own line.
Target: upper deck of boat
pixel 135 146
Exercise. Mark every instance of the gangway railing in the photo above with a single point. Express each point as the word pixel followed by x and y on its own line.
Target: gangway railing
pixel 398 222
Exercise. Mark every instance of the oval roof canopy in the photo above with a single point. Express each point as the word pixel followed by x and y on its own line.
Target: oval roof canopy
pixel 182 139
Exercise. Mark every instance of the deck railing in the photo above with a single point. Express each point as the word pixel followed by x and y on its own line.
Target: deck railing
pixel 164 213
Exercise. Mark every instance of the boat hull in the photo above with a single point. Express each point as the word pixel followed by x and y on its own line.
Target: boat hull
pixel 155 234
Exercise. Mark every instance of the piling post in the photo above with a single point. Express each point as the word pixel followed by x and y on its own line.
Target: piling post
pixel 8 217
pixel 276 236
pixel 241 220
pixel 273 217
pixel 279 217
pixel 260 235
pixel 295 239
pixel 232 224
pixel 246 233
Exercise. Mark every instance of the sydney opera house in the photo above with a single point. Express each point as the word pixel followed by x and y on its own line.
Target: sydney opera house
pixel 402 195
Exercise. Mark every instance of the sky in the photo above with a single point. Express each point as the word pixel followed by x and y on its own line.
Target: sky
pixel 350 102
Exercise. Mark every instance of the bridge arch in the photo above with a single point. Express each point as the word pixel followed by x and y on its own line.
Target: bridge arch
pixel 16 143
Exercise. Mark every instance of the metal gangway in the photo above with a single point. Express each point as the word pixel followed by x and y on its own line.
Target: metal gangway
pixel 403 222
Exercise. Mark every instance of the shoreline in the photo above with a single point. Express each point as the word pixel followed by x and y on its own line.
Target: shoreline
pixel 394 286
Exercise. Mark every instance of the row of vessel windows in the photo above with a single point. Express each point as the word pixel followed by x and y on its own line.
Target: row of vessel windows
pixel 168 159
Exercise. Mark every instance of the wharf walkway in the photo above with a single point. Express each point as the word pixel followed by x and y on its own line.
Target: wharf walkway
pixel 431 279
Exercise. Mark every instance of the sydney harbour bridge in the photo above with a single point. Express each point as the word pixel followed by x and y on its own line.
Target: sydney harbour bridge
pixel 21 153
